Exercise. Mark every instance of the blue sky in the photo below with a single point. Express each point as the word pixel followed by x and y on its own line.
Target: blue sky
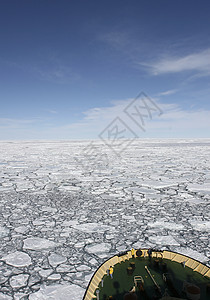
pixel 69 68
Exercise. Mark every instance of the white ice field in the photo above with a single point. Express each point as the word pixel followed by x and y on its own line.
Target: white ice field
pixel 67 206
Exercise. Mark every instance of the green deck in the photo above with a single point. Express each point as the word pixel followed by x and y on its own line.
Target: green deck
pixel 122 282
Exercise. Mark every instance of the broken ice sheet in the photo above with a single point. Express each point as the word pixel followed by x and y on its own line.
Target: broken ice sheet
pixel 155 188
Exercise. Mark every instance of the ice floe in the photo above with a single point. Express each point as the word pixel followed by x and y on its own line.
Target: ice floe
pixel 168 225
pixel 98 248
pixel 200 225
pixel 17 259
pixel 4 231
pixel 163 240
pixel 58 292
pixel 55 276
pixel 18 281
pixel 45 272
pixel 92 227
pixel 55 259
pixel 5 297
pixel 35 243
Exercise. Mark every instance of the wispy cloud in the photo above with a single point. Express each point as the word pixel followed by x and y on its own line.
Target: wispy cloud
pixel 51 111
pixel 142 56
pixel 174 122
pixel 199 62
pixel 117 39
pixel 167 93
pixel 127 47
pixel 56 73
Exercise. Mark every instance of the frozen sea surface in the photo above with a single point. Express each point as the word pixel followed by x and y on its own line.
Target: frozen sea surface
pixel 63 211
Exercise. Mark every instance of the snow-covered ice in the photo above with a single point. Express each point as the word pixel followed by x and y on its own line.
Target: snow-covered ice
pixel 163 240
pixel 55 259
pixel 5 297
pixel 63 212
pixel 35 243
pixel 92 227
pixel 17 259
pixel 98 248
pixel 18 281
pixel 3 231
pixel 167 225
pixel 54 277
pixel 58 292
pixel 45 273
pixel 200 225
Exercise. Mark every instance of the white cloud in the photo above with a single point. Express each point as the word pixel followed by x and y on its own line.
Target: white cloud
pixel 183 120
pixel 174 122
pixel 167 93
pixel 199 62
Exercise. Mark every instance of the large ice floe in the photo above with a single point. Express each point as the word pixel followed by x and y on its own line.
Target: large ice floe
pixel 35 243
pixel 58 292
pixel 17 259
pixel 64 212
